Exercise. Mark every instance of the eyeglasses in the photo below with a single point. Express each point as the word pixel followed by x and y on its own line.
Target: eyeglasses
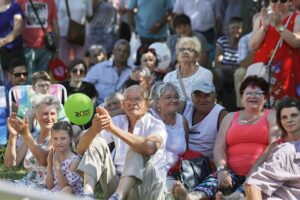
pixel 256 94
pixel 47 85
pixel 186 49
pixel 81 71
pixel 281 1
pixel 169 98
pixel 20 74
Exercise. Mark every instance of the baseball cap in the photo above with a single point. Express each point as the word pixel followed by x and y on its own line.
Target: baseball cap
pixel 203 85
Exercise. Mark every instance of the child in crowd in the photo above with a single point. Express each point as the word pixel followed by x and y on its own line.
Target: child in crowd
pixel 63 161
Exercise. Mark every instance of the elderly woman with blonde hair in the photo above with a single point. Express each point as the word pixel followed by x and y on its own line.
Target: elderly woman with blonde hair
pixel 188 70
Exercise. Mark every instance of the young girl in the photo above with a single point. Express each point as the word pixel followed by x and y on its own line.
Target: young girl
pixel 62 161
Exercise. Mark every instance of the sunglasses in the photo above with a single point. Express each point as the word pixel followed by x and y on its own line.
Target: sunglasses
pixel 281 1
pixel 20 74
pixel 81 71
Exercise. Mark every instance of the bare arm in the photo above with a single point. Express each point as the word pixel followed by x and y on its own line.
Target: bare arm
pixel 13 156
pixel 49 177
pixel 187 131
pixel 292 38
pixel 220 145
pixel 18 25
pixel 252 192
pixel 144 145
pixel 90 134
pixel 258 35
pixel 274 132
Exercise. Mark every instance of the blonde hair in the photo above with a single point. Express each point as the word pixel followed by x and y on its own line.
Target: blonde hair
pixel 189 40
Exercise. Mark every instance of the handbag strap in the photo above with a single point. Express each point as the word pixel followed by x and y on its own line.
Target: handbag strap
pixel 36 14
pixel 181 84
pixel 278 43
pixel 68 9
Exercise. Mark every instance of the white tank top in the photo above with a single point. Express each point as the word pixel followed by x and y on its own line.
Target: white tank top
pixel 202 136
pixel 176 144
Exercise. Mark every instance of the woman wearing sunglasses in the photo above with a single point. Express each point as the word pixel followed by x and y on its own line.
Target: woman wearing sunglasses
pixel 267 31
pixel 77 71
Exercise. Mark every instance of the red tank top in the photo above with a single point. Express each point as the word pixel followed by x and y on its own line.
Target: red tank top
pixel 245 143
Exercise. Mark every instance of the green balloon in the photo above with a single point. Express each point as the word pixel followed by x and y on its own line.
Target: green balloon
pixel 79 108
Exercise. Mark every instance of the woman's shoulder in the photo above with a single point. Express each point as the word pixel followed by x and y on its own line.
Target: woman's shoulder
pixel 171 76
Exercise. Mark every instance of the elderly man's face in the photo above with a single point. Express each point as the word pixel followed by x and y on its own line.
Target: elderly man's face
pixel 135 104
pixel 203 102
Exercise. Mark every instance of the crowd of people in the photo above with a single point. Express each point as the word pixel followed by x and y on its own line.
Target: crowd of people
pixel 147 118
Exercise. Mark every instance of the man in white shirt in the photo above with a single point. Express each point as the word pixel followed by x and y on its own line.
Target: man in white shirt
pixel 109 76
pixel 139 144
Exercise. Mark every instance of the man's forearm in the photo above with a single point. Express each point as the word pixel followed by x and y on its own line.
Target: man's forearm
pixel 86 140
pixel 146 146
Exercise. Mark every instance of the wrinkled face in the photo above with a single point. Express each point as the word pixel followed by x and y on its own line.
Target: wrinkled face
pixel 135 104
pixel 114 103
pixel 186 53
pixel 253 97
pixel 121 53
pixel 235 29
pixel 46 115
pixel 184 30
pixel 78 72
pixel 42 87
pixel 278 6
pixel 148 60
pixel 290 120
pixel 203 102
pixel 19 75
pixel 168 102
pixel 61 140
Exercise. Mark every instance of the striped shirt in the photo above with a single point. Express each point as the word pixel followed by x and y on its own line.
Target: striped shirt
pixel 279 176
pixel 231 55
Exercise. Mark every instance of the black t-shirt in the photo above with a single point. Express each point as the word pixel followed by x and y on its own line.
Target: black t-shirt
pixel 86 88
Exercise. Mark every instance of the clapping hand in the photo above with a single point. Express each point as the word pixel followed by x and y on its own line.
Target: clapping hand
pixel 50 158
pixel 264 17
pixel 105 119
pixel 16 125
pixel 277 18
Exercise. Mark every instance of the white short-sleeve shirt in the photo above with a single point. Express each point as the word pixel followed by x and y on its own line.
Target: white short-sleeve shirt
pixel 146 126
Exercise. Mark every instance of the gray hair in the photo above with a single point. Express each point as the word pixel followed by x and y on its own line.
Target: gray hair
pixel 160 88
pixel 122 42
pixel 189 40
pixel 47 99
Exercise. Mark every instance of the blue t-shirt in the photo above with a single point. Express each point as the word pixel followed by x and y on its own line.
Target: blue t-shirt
pixel 7 25
pixel 149 12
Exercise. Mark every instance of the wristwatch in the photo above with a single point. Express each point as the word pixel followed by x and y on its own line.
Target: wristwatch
pixel 221 168
pixel 281 29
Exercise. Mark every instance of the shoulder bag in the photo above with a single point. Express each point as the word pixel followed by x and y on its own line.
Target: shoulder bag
pixel 76 31
pixel 50 37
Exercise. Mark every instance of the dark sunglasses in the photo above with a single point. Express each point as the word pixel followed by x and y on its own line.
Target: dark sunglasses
pixel 20 74
pixel 81 71
pixel 281 1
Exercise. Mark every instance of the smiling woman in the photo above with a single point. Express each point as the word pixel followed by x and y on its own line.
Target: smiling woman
pixel 32 148
pixel 242 137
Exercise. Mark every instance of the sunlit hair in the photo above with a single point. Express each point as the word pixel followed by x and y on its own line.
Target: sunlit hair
pixel 287 102
pixel 159 88
pixel 67 127
pixel 46 99
pixel 41 75
pixel 254 81
pixel 144 92
pixel 116 95
pixel 189 40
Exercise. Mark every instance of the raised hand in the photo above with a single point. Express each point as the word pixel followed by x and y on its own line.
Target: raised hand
pixel 264 17
pixel 50 158
pixel 276 19
pixel 17 126
pixel 105 118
